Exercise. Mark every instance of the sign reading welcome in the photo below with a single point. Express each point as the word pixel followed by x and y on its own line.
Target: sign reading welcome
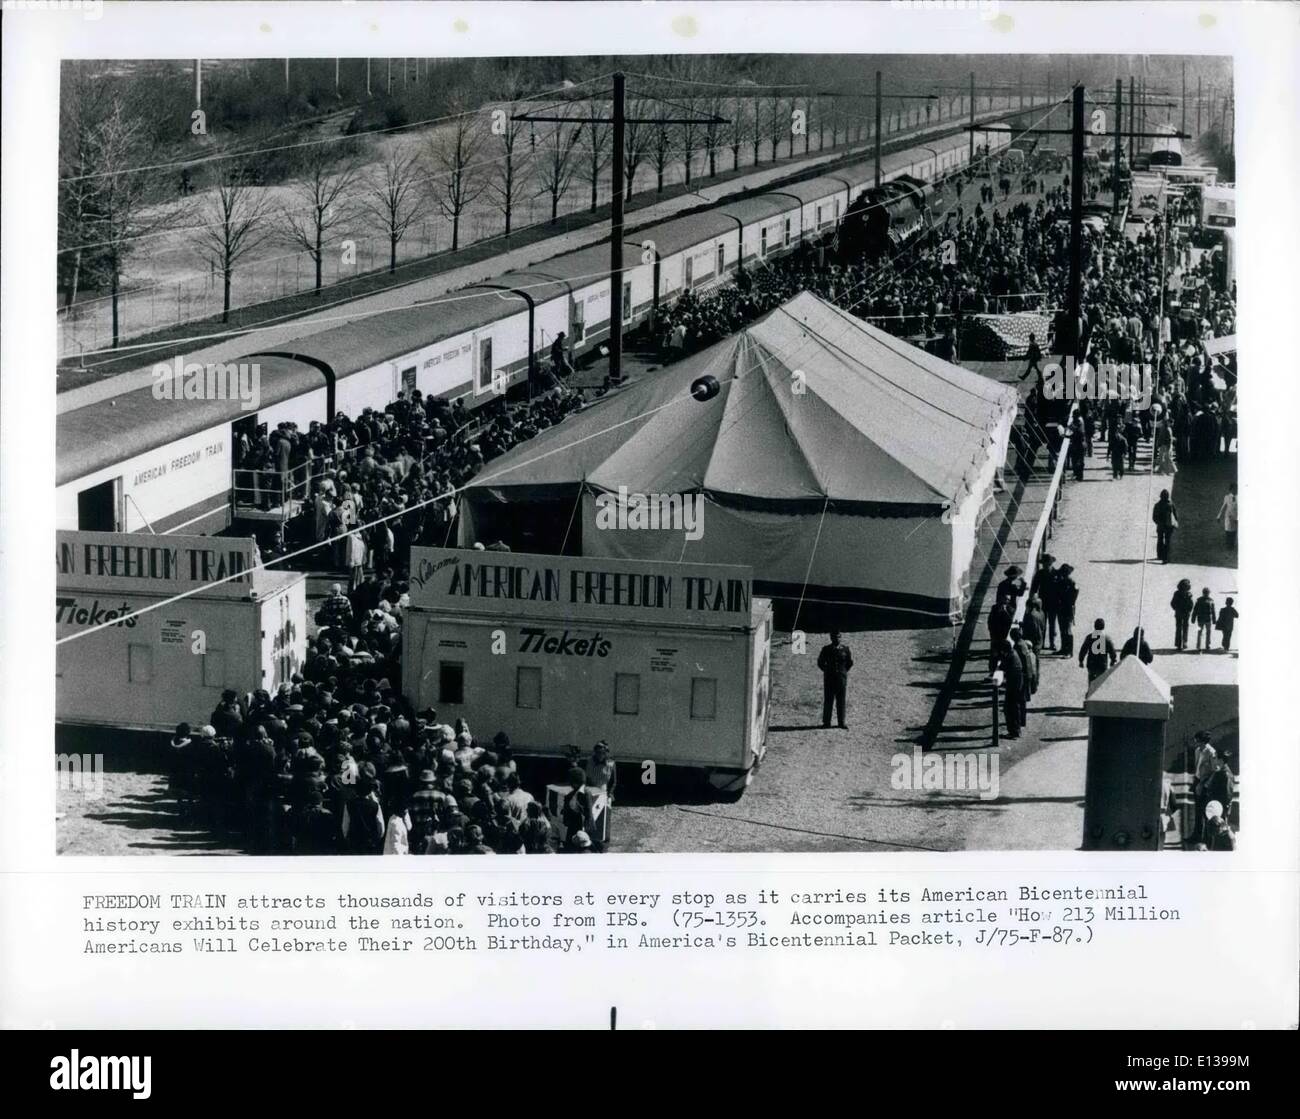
pixel 579 588
pixel 143 562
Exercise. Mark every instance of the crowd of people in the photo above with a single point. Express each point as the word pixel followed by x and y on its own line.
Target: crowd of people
pixel 400 466
pixel 337 762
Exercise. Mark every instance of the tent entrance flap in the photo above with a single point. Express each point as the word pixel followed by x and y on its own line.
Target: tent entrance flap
pixel 545 526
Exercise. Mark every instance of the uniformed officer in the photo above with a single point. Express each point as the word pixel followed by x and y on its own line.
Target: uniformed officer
pixel 834 660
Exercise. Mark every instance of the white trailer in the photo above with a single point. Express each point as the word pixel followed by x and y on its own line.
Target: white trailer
pixel 169 665
pixel 668 663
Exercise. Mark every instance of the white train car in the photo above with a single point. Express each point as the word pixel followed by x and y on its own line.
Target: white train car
pixel 138 463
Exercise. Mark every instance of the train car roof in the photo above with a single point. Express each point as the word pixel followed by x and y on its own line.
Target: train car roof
pixel 112 431
pixel 810 190
pixel 757 208
pixel 686 231
pixel 365 342
pixel 572 270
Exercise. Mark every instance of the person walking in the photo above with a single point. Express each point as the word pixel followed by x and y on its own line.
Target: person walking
pixel 835 660
pixel 1118 453
pixel 1227 621
pixel 1033 625
pixel 1181 604
pixel 1204 614
pixel 1097 652
pixel 999 623
pixel 1165 516
pixel 1043 588
pixel 1078 448
pixel 1228 515
pixel 1136 646
pixel 1013 686
pixel 1067 594
pixel 1132 433
pixel 1202 770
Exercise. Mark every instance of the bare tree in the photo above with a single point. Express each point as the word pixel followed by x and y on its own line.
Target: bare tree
pixel 396 196
pixel 81 107
pixel 661 150
pixel 455 155
pixel 122 214
pixel 321 201
pixel 596 147
pixel 737 129
pixel 638 138
pixel 235 224
pixel 558 163
pixel 514 155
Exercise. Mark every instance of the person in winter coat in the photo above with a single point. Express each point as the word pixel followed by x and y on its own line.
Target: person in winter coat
pixel 1165 516
pixel 1227 621
pixel 1181 604
pixel 1097 651
pixel 999 623
pixel 1136 646
pixel 1066 594
pixel 1204 615
pixel 1013 683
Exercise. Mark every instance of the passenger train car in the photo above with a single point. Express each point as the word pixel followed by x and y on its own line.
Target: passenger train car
pixel 135 463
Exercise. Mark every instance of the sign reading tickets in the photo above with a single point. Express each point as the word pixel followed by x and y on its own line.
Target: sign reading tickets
pixel 143 562
pixel 577 588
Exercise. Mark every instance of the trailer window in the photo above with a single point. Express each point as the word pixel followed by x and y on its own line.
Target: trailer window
pixel 528 687
pixel 722 260
pixel 627 693
pixel 139 664
pixel 627 301
pixel 787 233
pixel 451 682
pixel 214 668
pixel 704 698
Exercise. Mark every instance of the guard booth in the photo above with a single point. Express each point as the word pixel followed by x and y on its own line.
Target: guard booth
pixel 1128 707
pixel 170 665
pixel 667 662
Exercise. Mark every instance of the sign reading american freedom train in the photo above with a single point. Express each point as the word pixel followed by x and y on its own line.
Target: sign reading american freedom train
pixel 575 588
pixel 117 561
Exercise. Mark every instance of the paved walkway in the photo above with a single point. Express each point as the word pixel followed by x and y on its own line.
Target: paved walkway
pixel 332 314
pixel 1103 528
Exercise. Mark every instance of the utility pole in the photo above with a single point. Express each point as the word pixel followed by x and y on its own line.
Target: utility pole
pixel 616 237
pixel 618 171
pixel 1132 120
pixel 336 75
pixel 198 83
pixel 390 75
pixel 1182 127
pixel 367 77
pixel 1198 104
pixel 970 154
pixel 878 128
pixel 1119 145
pixel 286 75
pixel 1075 297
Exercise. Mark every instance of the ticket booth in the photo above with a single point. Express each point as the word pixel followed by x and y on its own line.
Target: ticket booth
pixel 244 627
pixel 668 663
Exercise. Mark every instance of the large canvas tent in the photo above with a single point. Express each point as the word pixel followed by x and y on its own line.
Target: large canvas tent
pixel 840 462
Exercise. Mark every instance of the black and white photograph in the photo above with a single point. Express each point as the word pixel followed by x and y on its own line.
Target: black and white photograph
pixel 510 455
pixel 792 451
